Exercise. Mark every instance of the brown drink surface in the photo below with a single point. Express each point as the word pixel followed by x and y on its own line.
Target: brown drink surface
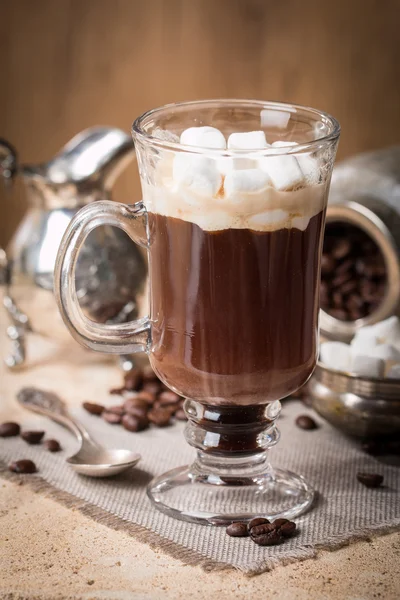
pixel 234 312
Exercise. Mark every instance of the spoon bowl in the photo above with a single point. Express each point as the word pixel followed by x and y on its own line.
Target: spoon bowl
pixel 103 462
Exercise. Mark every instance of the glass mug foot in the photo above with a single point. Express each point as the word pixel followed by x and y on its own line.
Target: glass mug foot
pixel 231 478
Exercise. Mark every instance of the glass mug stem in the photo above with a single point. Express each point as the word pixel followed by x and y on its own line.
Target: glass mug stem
pixel 124 338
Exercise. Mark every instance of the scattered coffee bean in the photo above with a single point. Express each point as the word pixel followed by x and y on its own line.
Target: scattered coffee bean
pixel 32 437
pixel 306 422
pixel 256 521
pixel 92 408
pixel 52 445
pixel 117 409
pixel 153 387
pixel 286 527
pixel 160 417
pixel 266 535
pixel 327 264
pixel 269 534
pixel 134 403
pixel 23 466
pixel 237 530
pixel 134 422
pixel 370 480
pixel 9 429
pixel 133 380
pixel 166 398
pixel 116 391
pixel 111 417
pixel 147 396
pixel 181 415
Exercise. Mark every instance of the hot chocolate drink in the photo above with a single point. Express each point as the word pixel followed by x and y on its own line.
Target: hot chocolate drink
pixel 235 292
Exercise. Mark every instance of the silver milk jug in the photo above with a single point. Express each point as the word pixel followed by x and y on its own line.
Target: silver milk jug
pixel 111 273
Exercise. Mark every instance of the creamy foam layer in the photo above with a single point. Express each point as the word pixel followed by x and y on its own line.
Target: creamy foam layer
pixel 265 209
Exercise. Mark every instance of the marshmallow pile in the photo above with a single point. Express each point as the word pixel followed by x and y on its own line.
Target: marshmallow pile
pixel 373 352
pixel 234 184
pixel 243 174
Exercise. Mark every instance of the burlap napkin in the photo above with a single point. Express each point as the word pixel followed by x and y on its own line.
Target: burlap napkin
pixel 345 509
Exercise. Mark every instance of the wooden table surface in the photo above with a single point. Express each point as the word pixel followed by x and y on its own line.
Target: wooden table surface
pixel 49 552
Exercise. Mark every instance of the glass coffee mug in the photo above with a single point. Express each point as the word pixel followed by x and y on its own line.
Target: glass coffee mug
pixel 232 217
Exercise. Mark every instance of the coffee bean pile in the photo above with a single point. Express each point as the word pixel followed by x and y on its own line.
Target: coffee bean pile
pixel 11 429
pixel 262 531
pixel 353 273
pixel 147 401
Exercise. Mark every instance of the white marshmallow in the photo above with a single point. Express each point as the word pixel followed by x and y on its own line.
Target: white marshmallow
pixel 283 144
pixel 300 223
pixel 245 181
pixel 250 140
pixel 284 171
pixel 336 355
pixel 364 341
pixel 198 174
pixel 368 366
pixel 269 218
pixel 387 352
pixel 388 331
pixel 309 166
pixel 394 372
pixel 205 137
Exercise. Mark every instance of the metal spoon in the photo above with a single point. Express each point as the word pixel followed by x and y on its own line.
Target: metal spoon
pixel 91 459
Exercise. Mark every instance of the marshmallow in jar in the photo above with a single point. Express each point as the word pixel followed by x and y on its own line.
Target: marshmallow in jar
pixel 374 352
pixel 360 272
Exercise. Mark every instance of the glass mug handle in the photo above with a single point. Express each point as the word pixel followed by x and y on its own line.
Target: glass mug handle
pixel 124 338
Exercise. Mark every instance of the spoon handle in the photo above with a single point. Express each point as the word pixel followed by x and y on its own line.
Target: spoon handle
pixel 51 405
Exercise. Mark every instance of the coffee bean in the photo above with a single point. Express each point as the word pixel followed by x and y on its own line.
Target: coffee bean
pixel 23 466
pixel 348 287
pixel 344 267
pixel 9 429
pixel 117 391
pixel 256 521
pixel 117 409
pixel 237 530
pixel 133 405
pixel 180 415
pixel 138 411
pixel 166 398
pixel 133 380
pixel 111 417
pixel 337 299
pixel 32 437
pixel 306 422
pixel 153 387
pixel 92 408
pixel 341 248
pixel 52 445
pixel 134 423
pixel 286 527
pixel 370 480
pixel 354 301
pixel 340 280
pixel 266 535
pixel 147 396
pixel 160 417
pixel 327 264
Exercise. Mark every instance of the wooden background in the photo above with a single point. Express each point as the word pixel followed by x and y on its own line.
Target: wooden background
pixel 69 64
